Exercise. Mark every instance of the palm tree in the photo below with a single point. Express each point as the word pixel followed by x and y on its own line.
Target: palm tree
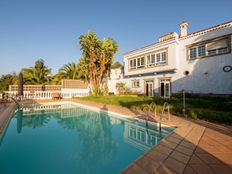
pixel 39 74
pixel 90 46
pixel 83 70
pixel 69 71
pixel 97 59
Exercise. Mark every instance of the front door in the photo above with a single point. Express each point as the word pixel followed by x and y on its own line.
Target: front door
pixel 149 88
pixel 165 88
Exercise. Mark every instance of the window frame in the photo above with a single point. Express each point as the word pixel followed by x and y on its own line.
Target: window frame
pixel 199 51
pixel 227 39
pixel 149 60
pixel 135 83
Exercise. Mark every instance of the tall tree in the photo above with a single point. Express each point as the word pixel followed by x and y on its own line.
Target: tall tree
pixel 69 71
pixel 6 80
pixel 90 46
pixel 39 74
pixel 97 59
pixel 83 70
pixel 116 65
pixel 109 49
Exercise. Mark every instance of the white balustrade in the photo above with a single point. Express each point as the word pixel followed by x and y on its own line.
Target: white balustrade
pixel 48 94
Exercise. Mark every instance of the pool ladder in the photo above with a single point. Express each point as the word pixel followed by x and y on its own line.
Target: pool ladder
pixel 152 108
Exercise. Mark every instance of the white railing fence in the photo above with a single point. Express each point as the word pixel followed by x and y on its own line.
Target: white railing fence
pixel 49 94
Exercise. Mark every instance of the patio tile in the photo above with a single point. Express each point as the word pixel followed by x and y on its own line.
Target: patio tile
pixel 180 157
pixel 189 170
pixel 209 159
pixel 156 156
pixel 184 150
pixel 174 165
pixel 168 144
pixel 201 169
pixel 134 169
pixel 195 160
pixel 147 164
pixel 188 145
pixel 199 150
pixel 163 149
pixel 221 169
pixel 224 157
pixel 173 140
pixel 164 170
pixel 174 135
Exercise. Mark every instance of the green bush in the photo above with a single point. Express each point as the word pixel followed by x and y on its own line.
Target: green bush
pixel 192 114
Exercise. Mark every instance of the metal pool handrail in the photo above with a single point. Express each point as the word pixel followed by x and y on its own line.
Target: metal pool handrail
pixel 167 107
pixel 12 98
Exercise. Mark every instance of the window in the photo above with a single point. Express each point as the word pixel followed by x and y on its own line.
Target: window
pixel 201 51
pixel 142 61
pixel 133 64
pixel 193 53
pixel 164 56
pixel 148 60
pixel 222 50
pixel 212 52
pixel 158 58
pixel 153 58
pixel 135 84
pixel 138 62
pixel 211 47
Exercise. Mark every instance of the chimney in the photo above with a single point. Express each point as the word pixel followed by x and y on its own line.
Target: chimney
pixel 183 28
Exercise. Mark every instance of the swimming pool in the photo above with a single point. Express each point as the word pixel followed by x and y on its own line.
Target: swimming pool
pixel 67 138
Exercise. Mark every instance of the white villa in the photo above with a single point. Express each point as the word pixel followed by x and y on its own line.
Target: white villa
pixel 198 62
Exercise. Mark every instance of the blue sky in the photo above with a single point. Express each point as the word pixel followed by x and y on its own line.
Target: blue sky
pixel 49 29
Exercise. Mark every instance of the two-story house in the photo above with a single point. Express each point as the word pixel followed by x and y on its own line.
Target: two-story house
pixel 198 62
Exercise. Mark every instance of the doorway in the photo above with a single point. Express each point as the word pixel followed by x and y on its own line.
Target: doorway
pixel 149 88
pixel 165 88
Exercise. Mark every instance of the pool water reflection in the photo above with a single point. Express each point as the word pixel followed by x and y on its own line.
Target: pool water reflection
pixel 71 139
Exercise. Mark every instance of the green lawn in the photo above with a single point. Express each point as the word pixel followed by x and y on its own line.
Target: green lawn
pixel 211 108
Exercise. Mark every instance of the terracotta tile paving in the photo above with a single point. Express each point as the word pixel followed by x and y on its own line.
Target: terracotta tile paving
pixel 147 164
pixel 174 165
pixel 184 150
pixel 193 147
pixel 189 170
pixel 157 156
pixel 135 169
pixel 201 168
pixel 180 157
pixel 164 170
pixel 163 149
pixel 220 169
pixel 168 144
pixel 5 115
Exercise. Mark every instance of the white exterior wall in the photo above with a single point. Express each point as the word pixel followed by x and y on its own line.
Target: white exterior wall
pixel 206 74
pixel 115 74
pixel 172 51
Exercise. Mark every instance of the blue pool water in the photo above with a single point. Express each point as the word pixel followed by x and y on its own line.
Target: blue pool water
pixel 67 139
